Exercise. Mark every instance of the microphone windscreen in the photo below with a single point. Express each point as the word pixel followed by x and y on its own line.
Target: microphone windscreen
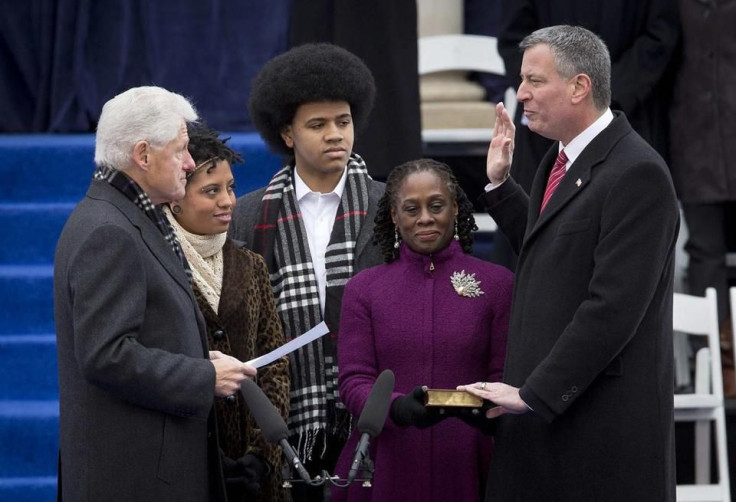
pixel 375 410
pixel 270 422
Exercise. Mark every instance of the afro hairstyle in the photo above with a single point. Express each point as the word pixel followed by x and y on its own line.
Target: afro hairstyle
pixel 306 74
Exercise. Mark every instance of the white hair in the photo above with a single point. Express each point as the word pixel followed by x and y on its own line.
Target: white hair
pixel 149 113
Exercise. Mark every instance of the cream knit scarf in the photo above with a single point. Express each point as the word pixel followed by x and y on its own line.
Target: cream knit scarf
pixel 204 254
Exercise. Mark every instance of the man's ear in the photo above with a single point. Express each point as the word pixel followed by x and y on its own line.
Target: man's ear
pixel 287 136
pixel 141 152
pixel 581 87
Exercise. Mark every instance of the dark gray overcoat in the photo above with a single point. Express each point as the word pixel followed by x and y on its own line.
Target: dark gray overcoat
pixel 136 390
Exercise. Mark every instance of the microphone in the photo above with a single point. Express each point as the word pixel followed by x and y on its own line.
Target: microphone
pixel 372 418
pixel 272 425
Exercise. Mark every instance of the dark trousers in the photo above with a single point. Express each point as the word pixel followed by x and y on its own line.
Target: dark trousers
pixel 708 227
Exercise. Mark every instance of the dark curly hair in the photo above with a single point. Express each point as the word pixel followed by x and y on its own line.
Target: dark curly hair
pixel 205 144
pixel 306 74
pixel 384 231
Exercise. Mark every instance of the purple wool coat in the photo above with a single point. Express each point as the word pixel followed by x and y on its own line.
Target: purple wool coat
pixel 404 317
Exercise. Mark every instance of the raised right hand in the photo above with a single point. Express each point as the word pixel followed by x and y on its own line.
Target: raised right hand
pixel 501 149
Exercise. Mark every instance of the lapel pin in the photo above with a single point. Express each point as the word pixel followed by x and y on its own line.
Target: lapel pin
pixel 578 182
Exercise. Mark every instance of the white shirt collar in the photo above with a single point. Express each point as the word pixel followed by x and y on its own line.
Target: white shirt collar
pixel 575 147
pixel 303 190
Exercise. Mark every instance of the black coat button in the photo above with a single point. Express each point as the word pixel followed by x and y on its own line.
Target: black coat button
pixel 218 335
pixel 230 399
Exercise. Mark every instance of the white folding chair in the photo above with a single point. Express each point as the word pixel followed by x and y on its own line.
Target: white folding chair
pixel 732 295
pixel 731 260
pixel 699 316
pixel 466 53
pixel 733 316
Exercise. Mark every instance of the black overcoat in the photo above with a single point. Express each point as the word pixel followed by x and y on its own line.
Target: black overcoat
pixel 703 115
pixel 590 342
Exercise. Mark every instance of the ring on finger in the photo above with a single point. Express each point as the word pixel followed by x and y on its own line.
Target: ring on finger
pixel 483 386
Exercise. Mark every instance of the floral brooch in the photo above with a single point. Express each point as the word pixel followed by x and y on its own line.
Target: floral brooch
pixel 466 284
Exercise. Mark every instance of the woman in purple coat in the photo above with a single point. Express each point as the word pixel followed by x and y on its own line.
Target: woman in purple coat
pixel 436 317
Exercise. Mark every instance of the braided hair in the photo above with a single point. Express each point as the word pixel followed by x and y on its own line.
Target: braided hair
pixel 205 144
pixel 384 230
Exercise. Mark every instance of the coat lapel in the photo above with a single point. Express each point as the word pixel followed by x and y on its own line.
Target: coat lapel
pixel 151 235
pixel 539 185
pixel 153 239
pixel 365 236
pixel 575 180
pixel 573 183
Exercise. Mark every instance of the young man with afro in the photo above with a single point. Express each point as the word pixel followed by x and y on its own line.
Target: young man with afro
pixel 313 224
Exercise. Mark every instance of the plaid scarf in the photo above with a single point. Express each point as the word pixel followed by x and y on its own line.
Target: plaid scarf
pixel 279 235
pixel 137 196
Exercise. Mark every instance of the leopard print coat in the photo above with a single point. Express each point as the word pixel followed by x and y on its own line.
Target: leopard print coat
pixel 248 326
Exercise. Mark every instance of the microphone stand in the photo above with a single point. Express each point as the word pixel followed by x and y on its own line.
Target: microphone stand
pixel 326 480
pixel 370 424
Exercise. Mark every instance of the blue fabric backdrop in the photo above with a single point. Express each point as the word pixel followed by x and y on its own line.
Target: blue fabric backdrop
pixel 60 60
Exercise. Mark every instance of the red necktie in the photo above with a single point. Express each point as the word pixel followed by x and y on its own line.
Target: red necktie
pixel 555 176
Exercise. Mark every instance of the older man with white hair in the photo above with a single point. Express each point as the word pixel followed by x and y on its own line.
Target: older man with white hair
pixel 136 381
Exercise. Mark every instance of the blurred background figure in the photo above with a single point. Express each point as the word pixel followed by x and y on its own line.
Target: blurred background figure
pixel 703 153
pixel 436 317
pixel 234 295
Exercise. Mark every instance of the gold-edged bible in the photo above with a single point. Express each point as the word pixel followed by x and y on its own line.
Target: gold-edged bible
pixel 446 397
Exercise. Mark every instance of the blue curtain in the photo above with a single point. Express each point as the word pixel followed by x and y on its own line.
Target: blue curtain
pixel 60 60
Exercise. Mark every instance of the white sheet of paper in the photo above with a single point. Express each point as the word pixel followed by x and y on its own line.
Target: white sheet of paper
pixel 311 335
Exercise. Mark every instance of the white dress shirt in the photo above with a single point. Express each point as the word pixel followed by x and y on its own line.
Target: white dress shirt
pixel 318 213
pixel 575 147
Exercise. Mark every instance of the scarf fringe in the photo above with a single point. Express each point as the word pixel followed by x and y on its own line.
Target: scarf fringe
pixel 316 439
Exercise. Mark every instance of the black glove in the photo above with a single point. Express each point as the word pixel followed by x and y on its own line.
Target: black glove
pixel 410 410
pixel 243 476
